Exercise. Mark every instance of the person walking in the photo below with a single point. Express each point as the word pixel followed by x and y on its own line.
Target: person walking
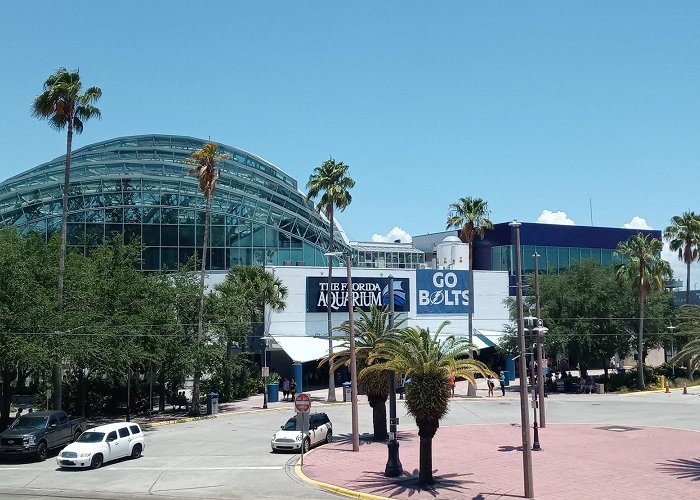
pixel 285 388
pixel 293 388
pixel 502 380
pixel 452 385
pixel 19 412
pixel 490 384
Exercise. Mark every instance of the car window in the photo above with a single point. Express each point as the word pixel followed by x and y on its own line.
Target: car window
pixel 52 421
pixel 123 432
pixel 135 429
pixel 112 436
pixel 291 424
pixel 91 437
pixel 63 419
pixel 322 419
pixel 313 421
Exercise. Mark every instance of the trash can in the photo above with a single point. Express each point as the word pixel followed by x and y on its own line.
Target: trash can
pixel 600 388
pixel 506 376
pixel 212 403
pixel 273 393
pixel 347 392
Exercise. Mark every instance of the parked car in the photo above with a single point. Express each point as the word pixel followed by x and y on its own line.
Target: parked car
pixel 38 432
pixel 291 439
pixel 103 444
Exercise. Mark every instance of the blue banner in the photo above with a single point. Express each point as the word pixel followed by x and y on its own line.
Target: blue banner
pixel 443 291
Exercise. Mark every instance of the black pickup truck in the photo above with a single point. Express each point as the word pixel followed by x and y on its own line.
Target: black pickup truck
pixel 38 432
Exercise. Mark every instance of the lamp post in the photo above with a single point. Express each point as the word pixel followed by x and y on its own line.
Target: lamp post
pixel 265 369
pixel 393 465
pixel 353 360
pixel 128 394
pixel 524 416
pixel 670 329
pixel 331 375
pixel 540 342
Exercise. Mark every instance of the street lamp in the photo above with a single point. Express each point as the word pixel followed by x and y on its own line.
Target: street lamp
pixel 540 342
pixel 353 358
pixel 670 329
pixel 265 370
pixel 393 465
pixel 524 416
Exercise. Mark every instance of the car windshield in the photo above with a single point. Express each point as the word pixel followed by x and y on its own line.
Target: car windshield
pixel 27 422
pixel 91 437
pixel 291 424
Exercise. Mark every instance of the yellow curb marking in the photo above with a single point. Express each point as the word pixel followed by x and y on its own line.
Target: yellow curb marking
pixel 335 489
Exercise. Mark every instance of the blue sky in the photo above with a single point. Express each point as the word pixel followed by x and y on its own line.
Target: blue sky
pixel 531 106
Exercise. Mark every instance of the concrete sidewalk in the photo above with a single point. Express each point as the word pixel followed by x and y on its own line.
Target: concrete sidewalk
pixel 578 461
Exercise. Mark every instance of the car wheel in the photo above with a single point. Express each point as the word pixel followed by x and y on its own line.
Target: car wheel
pixel 136 451
pixel 306 445
pixel 76 435
pixel 329 437
pixel 41 451
pixel 96 461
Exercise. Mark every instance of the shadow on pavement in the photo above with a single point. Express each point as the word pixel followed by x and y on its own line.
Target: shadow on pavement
pixel 683 468
pixel 377 484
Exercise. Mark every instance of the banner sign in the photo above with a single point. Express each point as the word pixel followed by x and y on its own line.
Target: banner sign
pixel 366 292
pixel 443 291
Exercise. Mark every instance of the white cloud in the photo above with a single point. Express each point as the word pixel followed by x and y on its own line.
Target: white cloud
pixel 549 217
pixel 637 223
pixel 395 234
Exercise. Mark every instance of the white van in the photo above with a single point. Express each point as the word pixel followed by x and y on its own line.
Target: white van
pixel 103 444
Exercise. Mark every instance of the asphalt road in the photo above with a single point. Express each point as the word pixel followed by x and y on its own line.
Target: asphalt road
pixel 229 457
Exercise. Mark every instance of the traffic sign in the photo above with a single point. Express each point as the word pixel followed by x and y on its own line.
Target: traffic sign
pixel 302 402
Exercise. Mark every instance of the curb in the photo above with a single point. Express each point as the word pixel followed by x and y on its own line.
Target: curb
pixel 338 490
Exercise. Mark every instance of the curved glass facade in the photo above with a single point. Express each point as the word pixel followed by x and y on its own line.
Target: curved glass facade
pixel 139 186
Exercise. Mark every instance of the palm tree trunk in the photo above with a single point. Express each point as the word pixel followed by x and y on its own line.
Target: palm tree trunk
pixel 640 344
pixel 331 374
pixel 57 368
pixel 426 431
pixel 471 388
pixel 378 404
pixel 687 282
pixel 194 409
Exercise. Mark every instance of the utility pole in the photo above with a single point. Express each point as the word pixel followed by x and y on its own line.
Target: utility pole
pixel 540 343
pixel 522 362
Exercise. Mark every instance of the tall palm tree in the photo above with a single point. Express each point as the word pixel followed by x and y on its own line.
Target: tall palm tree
pixel 64 106
pixel 330 178
pixel 683 236
pixel 370 329
pixel 646 271
pixel 471 217
pixel 205 170
pixel 428 361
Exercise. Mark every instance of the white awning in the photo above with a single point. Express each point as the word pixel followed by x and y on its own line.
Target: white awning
pixel 486 338
pixel 302 348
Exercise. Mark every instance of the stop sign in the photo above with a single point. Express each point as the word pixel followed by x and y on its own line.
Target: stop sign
pixel 302 402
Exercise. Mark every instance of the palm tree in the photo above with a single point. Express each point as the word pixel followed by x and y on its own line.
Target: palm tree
pixel 205 170
pixel 646 271
pixel 64 106
pixel 428 362
pixel 470 216
pixel 370 329
pixel 262 289
pixel 331 179
pixel 683 236
pixel 689 323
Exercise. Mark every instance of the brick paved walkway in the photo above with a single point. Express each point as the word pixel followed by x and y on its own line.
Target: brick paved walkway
pixel 484 462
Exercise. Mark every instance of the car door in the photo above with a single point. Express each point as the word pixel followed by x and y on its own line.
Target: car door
pixel 114 446
pixel 53 433
pixel 64 431
pixel 313 429
pixel 124 441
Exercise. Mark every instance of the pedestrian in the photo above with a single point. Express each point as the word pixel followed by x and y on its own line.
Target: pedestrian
pixel 452 385
pixel 285 388
pixel 490 384
pixel 502 380
pixel 293 389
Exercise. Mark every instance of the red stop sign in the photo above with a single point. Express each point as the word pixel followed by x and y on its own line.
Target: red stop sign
pixel 302 402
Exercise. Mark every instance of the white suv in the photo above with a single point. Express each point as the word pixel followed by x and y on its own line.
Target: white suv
pixel 291 439
pixel 102 444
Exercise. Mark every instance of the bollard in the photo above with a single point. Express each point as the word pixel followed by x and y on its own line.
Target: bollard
pixel 685 388
pixel 668 389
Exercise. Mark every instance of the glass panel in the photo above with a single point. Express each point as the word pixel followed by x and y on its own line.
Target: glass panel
pixel 112 230
pixel 563 258
pixel 606 257
pixel 528 261
pixel 76 233
pixel 94 234
pixel 132 214
pixel 168 258
pixel 132 232
pixel 151 259
pixel 168 215
pixel 216 238
pixel 185 254
pixel 552 259
pixel 151 234
pixel 168 238
pixel 186 236
pixel 218 258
